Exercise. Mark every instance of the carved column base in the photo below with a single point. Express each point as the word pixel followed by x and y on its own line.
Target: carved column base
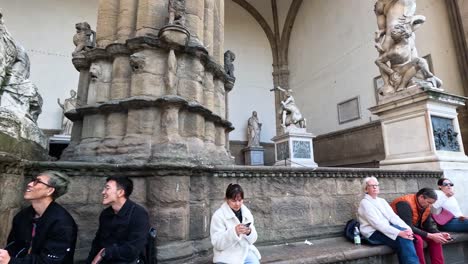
pixel 421 131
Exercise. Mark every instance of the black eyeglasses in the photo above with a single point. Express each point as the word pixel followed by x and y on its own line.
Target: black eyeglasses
pixel 373 185
pixel 447 184
pixel 35 181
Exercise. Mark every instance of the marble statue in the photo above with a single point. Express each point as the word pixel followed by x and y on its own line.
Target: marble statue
pixel 84 38
pixel 177 12
pixel 68 105
pixel 253 130
pixel 290 114
pixel 399 62
pixel 17 92
pixel 229 57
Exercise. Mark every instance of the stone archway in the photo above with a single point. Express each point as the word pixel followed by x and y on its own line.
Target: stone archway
pixel 279 43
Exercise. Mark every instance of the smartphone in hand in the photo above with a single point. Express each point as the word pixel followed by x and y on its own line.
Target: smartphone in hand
pixel 247 225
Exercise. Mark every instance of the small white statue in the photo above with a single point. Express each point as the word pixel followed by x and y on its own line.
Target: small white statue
pixel 290 114
pixel 253 130
pixel 68 105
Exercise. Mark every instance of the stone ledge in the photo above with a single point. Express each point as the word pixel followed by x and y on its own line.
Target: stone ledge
pixel 167 169
pixel 329 250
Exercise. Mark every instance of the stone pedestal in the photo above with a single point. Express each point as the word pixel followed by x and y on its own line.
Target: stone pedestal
pixel 21 137
pixel 420 130
pixel 294 148
pixel 253 156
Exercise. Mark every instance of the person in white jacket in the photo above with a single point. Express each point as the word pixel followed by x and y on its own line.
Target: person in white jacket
pixel 380 225
pixel 232 230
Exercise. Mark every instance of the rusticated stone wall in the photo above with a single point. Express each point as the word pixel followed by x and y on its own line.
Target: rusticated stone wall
pixel 287 204
pixel 11 184
pixel 153 90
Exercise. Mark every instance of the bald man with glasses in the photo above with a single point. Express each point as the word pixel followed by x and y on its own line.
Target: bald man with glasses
pixel 43 232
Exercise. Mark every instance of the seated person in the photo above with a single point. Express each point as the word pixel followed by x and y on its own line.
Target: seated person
pixel 232 230
pixel 380 225
pixel 447 201
pixel 43 232
pixel 415 210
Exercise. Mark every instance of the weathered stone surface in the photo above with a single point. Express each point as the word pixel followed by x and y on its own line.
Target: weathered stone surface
pixel 174 190
pixel 173 223
pixel 107 19
pixel 192 125
pixel 199 216
pixel 78 192
pixel 94 126
pixel 152 15
pixel 143 121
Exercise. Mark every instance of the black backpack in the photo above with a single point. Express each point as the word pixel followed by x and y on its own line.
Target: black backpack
pixel 150 249
pixel 349 229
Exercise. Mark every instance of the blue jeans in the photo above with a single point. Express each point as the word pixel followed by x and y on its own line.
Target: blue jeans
pixel 403 247
pixel 251 258
pixel 455 225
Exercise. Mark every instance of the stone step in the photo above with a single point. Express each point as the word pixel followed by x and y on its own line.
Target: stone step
pixel 340 250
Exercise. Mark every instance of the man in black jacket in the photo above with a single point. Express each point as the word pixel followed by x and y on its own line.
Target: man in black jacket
pixel 123 226
pixel 43 232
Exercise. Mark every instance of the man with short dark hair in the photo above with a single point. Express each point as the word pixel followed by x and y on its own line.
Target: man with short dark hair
pixel 415 210
pixel 123 226
pixel 43 232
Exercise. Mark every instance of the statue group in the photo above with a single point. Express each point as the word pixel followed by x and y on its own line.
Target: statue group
pixel 290 115
pixel 399 62
pixel 18 94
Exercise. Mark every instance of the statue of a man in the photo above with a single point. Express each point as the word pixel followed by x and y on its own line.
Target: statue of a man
pixel 253 130
pixel 68 105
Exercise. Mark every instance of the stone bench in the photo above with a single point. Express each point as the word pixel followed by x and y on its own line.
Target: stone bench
pixel 340 250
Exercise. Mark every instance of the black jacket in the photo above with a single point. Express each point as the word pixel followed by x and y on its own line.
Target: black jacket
pixel 55 239
pixel 123 235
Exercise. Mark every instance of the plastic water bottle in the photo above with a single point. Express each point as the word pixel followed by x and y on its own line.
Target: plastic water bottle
pixel 357 236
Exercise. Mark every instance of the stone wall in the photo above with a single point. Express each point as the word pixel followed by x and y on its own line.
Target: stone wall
pixel 345 148
pixel 11 181
pixel 288 204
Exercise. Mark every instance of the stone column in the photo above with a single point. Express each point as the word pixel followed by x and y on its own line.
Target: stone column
pixel 106 28
pixel 209 25
pixel 155 96
pixel 194 19
pixel 152 15
pixel 126 20
pixel 121 71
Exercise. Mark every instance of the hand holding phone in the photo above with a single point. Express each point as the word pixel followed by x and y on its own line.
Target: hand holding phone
pixel 248 224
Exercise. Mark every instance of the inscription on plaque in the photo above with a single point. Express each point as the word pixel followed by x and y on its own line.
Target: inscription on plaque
pixel 301 149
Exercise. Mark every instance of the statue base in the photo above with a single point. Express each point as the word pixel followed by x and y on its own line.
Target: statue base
pixel 421 131
pixel 253 156
pixel 21 137
pixel 294 148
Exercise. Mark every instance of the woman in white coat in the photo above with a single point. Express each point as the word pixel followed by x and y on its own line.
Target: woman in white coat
pixel 232 230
